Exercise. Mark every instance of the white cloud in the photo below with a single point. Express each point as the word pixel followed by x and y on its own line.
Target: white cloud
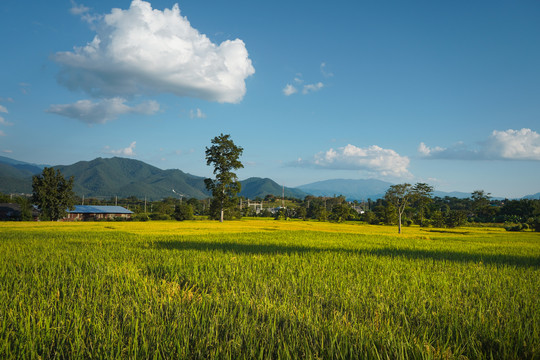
pixel 145 50
pixel 78 9
pixel 289 90
pixel 373 159
pixel 7 151
pixel 2 133
pixel 102 111
pixel 509 144
pixel 426 150
pixel 4 122
pixel 83 12
pixel 197 114
pixel 325 73
pixel 3 109
pixel 129 151
pixel 312 88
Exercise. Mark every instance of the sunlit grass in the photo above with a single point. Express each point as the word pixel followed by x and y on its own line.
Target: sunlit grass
pixel 268 289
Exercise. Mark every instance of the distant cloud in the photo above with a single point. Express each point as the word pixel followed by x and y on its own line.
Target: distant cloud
pixel 509 144
pixel 9 99
pixel 325 73
pixel 83 12
pixel 197 114
pixel 7 151
pixel 143 50
pixel 373 159
pixel 25 87
pixel 129 151
pixel 312 88
pixel 289 90
pixel 78 9
pixel 2 133
pixel 4 122
pixel 100 112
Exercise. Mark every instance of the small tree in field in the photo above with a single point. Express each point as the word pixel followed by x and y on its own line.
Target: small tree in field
pixel 399 195
pixel 224 155
pixel 53 194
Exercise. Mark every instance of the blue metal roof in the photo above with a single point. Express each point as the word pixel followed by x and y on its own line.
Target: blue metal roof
pixel 90 209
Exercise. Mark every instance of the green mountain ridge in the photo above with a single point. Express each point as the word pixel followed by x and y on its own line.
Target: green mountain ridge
pixel 110 177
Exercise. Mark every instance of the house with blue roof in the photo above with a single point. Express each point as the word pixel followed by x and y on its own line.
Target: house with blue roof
pixel 91 212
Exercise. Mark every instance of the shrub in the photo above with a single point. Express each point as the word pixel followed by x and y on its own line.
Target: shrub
pixel 140 217
pixel 160 217
pixel 516 227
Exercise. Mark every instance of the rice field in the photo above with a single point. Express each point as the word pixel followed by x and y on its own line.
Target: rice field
pixel 266 289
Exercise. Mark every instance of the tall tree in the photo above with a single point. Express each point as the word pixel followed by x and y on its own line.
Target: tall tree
pixel 53 194
pixel 480 204
pixel 400 196
pixel 422 197
pixel 224 156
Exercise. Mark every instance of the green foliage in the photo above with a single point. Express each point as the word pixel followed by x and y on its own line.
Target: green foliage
pixel 437 219
pixel 224 156
pixel 184 212
pixel 159 216
pixel 399 196
pixel 340 213
pixel 301 213
pixel 226 210
pixel 140 217
pixel 455 218
pixel 53 194
pixel 281 214
pixel 422 197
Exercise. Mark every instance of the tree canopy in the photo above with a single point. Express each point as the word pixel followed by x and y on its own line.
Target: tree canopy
pixel 224 156
pixel 400 196
pixel 52 194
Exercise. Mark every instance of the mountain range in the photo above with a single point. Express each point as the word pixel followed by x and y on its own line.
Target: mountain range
pixel 122 177
pixel 127 177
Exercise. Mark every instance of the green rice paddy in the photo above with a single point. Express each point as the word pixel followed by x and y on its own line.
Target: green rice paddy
pixel 266 289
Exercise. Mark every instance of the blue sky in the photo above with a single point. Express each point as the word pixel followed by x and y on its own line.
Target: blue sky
pixel 422 91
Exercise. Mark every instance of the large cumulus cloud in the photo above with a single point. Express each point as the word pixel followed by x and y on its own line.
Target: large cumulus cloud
pixel 147 51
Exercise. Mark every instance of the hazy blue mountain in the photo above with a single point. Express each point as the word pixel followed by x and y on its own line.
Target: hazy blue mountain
pixel 456 194
pixel 532 197
pixel 258 187
pixel 21 164
pixel 15 174
pixel 351 189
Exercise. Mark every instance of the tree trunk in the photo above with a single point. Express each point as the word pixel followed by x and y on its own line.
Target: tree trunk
pixel 221 214
pixel 399 223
